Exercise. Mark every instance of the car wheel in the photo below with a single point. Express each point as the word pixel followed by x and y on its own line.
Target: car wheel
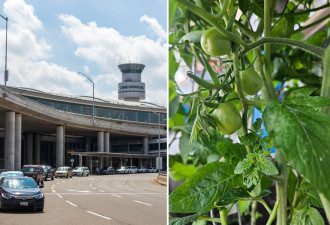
pixel 53 177
pixel 67 176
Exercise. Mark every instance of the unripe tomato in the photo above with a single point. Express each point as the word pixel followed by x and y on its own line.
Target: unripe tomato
pixel 214 43
pixel 251 81
pixel 227 118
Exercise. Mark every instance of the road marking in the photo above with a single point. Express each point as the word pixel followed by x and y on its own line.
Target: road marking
pixel 60 196
pixel 80 191
pixel 142 203
pixel 123 182
pixel 116 195
pixel 91 184
pixel 72 204
pixel 104 217
pixel 96 180
pixel 94 188
pixel 52 187
pixel 63 181
pixel 101 191
pixel 53 191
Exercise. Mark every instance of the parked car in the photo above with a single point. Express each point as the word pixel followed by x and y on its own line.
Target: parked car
pixel 21 192
pixel 141 169
pixel 49 171
pixel 151 170
pixel 64 171
pixel 123 169
pixel 107 170
pixel 36 172
pixel 11 174
pixel 132 169
pixel 80 171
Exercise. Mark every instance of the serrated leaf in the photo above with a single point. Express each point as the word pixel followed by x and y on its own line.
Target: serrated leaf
pixel 249 139
pixel 314 217
pixel 180 171
pixel 236 194
pixel 314 198
pixel 244 165
pixel 315 101
pixel 186 147
pixel 257 125
pixel 234 153
pixel 184 220
pixel 303 135
pixel 265 166
pixel 199 192
pixel 192 37
pixel 251 177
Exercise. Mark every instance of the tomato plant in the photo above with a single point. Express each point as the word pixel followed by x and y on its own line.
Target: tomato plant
pixel 255 45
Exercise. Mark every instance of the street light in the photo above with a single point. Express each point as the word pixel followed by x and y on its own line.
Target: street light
pixel 6 71
pixel 87 77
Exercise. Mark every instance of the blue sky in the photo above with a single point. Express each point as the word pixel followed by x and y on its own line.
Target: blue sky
pixel 50 40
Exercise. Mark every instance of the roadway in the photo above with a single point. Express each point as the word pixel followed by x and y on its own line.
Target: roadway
pixel 127 199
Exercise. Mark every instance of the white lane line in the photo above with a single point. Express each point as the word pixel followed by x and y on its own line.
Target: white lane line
pixel 94 188
pixel 116 195
pixel 142 203
pixel 52 188
pixel 63 181
pixel 104 217
pixel 72 204
pixel 53 185
pixel 96 180
pixel 101 191
pixel 53 191
pixel 60 196
pixel 80 191
pixel 123 182
pixel 91 184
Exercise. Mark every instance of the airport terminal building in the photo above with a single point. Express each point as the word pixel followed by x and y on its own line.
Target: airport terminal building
pixel 57 130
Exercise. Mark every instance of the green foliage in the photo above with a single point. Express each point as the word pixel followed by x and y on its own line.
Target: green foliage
pixel 307 216
pixel 184 220
pixel 199 192
pixel 234 153
pixel 181 171
pixel 303 135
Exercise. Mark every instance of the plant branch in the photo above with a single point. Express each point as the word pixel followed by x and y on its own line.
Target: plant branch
pixel 311 10
pixel 223 217
pixel 250 33
pixel 294 202
pixel 213 20
pixel 311 25
pixel 273 214
pixel 262 201
pixel 209 219
pixel 253 213
pixel 314 50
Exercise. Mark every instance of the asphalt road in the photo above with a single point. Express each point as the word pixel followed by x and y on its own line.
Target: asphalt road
pixel 130 199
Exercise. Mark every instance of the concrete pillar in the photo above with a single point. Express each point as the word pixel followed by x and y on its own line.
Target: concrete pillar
pixel 140 160
pixel 59 146
pixel 18 142
pixel 131 161
pixel 100 141
pixel 101 162
pixel 120 162
pixel 88 147
pixel 29 150
pixel 107 147
pixel 80 160
pixel 37 149
pixel 110 159
pixel 145 145
pixel 9 154
pixel 90 164
pixel 151 162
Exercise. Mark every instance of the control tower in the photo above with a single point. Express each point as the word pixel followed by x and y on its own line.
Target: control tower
pixel 131 88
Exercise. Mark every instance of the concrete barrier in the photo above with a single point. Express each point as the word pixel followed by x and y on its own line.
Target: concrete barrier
pixel 162 178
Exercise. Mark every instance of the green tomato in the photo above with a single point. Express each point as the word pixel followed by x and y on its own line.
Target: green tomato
pixel 251 81
pixel 214 43
pixel 227 118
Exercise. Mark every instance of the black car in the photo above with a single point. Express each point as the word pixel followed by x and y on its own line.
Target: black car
pixel 49 171
pixel 21 192
pixel 107 170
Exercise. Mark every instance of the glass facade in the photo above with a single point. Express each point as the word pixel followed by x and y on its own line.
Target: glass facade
pixel 134 87
pixel 110 113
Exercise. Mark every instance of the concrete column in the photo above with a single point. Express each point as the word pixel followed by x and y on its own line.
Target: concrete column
pixel 80 160
pixel 59 146
pixel 100 141
pixel 131 161
pixel 18 142
pixel 151 162
pixel 37 149
pixel 107 147
pixel 110 159
pixel 29 150
pixel 90 164
pixel 88 147
pixel 120 162
pixel 140 160
pixel 145 145
pixel 101 162
pixel 9 154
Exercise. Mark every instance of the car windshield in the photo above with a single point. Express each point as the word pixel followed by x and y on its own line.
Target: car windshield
pixel 62 169
pixel 29 169
pixel 19 183
pixel 78 168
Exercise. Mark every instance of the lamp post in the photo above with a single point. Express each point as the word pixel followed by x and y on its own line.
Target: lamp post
pixel 87 77
pixel 6 70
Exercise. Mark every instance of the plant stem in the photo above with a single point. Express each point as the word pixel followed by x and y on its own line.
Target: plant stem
pixel 273 214
pixel 253 213
pixel 281 187
pixel 209 219
pixel 326 205
pixel 213 20
pixel 294 202
pixel 223 217
pixel 262 201
pixel 311 25
pixel 265 89
pixel 312 10
pixel 314 50
pixel 241 95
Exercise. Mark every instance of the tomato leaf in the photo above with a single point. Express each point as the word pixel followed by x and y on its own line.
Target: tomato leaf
pixel 303 135
pixel 232 152
pixel 181 171
pixel 265 166
pixel 184 220
pixel 308 216
pixel 199 192
pixel 192 37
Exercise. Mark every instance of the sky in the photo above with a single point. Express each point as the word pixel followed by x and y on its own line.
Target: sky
pixel 50 41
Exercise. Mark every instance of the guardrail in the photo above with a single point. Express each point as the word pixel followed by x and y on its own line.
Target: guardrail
pixel 162 178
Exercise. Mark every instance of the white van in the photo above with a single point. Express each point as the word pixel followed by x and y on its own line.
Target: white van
pixel 132 169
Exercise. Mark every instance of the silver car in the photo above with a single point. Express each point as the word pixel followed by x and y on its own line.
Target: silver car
pixel 123 169
pixel 81 171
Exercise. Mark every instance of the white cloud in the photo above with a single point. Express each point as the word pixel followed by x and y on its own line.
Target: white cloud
pixel 28 55
pixel 154 25
pixel 107 47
